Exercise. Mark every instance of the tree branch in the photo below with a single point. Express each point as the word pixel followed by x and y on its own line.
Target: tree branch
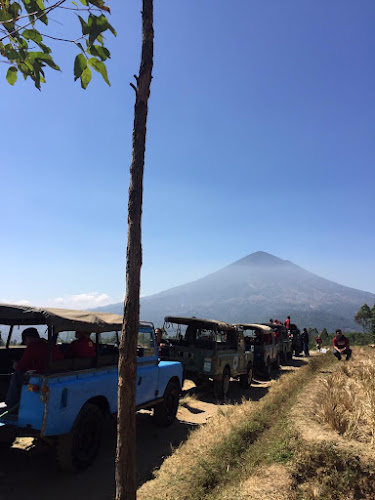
pixel 45 11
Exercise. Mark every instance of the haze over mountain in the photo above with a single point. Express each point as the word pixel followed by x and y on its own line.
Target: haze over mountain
pixel 256 288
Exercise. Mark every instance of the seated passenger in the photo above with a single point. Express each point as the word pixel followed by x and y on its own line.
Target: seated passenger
pixel 161 343
pixel 35 356
pixel 191 333
pixel 34 359
pixel 83 347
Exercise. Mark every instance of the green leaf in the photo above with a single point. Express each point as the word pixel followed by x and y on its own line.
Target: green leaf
pixel 12 75
pixel 85 77
pixel 80 64
pixel 83 2
pixel 84 25
pixel 45 49
pixel 100 4
pixel 97 25
pixel 10 53
pixel 80 46
pixel 46 58
pixel 15 9
pixel 99 51
pixel 74 3
pixel 33 35
pixel 100 68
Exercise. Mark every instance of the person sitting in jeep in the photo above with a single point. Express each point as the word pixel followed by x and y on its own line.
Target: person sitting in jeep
pixel 34 359
pixel 82 347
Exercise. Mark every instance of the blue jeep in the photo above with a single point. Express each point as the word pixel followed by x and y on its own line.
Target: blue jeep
pixel 66 405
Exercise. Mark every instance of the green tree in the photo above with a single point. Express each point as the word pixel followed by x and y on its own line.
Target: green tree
pixel 364 317
pixel 372 322
pixel 23 42
pixel 324 334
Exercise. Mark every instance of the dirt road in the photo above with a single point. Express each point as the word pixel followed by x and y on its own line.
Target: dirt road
pixel 31 472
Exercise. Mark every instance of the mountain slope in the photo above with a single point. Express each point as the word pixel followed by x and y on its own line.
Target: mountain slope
pixel 256 288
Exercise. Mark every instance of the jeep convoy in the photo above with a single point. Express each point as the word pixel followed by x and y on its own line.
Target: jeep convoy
pixel 66 402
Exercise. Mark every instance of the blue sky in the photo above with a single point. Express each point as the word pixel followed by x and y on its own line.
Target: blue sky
pixel 260 137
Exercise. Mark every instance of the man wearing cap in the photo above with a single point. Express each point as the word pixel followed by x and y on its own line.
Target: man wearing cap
pixel 83 347
pixel 341 346
pixel 34 359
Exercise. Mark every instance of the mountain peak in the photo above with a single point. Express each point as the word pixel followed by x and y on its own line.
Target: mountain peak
pixel 260 258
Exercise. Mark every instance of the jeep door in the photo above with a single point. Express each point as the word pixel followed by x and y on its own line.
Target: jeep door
pixel 147 366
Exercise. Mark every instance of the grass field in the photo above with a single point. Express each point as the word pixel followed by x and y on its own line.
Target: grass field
pixel 310 437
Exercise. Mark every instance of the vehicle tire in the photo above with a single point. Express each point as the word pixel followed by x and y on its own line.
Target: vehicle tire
pixel 78 449
pixel 245 380
pixel 276 363
pixel 267 369
pixel 165 412
pixel 221 387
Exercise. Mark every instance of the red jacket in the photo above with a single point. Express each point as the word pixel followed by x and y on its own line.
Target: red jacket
pixel 287 323
pixel 340 343
pixel 35 356
pixel 81 348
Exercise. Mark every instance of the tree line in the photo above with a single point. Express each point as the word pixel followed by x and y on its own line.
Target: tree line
pixel 365 317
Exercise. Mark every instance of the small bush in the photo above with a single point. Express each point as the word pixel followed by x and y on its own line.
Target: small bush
pixel 324 472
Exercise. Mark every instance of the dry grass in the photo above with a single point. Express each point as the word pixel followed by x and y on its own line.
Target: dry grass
pixel 334 419
pixel 215 456
pixel 267 483
pixel 327 472
pixel 345 400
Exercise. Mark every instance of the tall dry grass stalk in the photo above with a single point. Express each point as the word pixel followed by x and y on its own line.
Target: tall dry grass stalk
pixel 346 399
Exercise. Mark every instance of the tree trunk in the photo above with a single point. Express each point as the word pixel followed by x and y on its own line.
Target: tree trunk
pixel 126 482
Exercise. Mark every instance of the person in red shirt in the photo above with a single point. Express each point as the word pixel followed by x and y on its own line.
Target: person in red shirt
pixel 318 343
pixel 34 358
pixel 83 347
pixel 341 346
pixel 287 323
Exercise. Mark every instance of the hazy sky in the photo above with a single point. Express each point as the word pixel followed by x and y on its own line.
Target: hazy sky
pixel 260 137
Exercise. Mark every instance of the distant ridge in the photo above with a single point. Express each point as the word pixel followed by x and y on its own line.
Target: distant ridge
pixel 256 288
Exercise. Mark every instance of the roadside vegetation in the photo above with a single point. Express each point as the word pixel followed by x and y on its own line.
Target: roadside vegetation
pixel 346 402
pixel 289 445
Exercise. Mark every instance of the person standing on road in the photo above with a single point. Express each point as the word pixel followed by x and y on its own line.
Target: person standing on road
pixel 341 346
pixel 318 343
pixel 305 342
pixel 287 323
pixel 160 342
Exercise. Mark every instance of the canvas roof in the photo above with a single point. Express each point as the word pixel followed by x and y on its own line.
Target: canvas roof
pixel 61 319
pixel 199 323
